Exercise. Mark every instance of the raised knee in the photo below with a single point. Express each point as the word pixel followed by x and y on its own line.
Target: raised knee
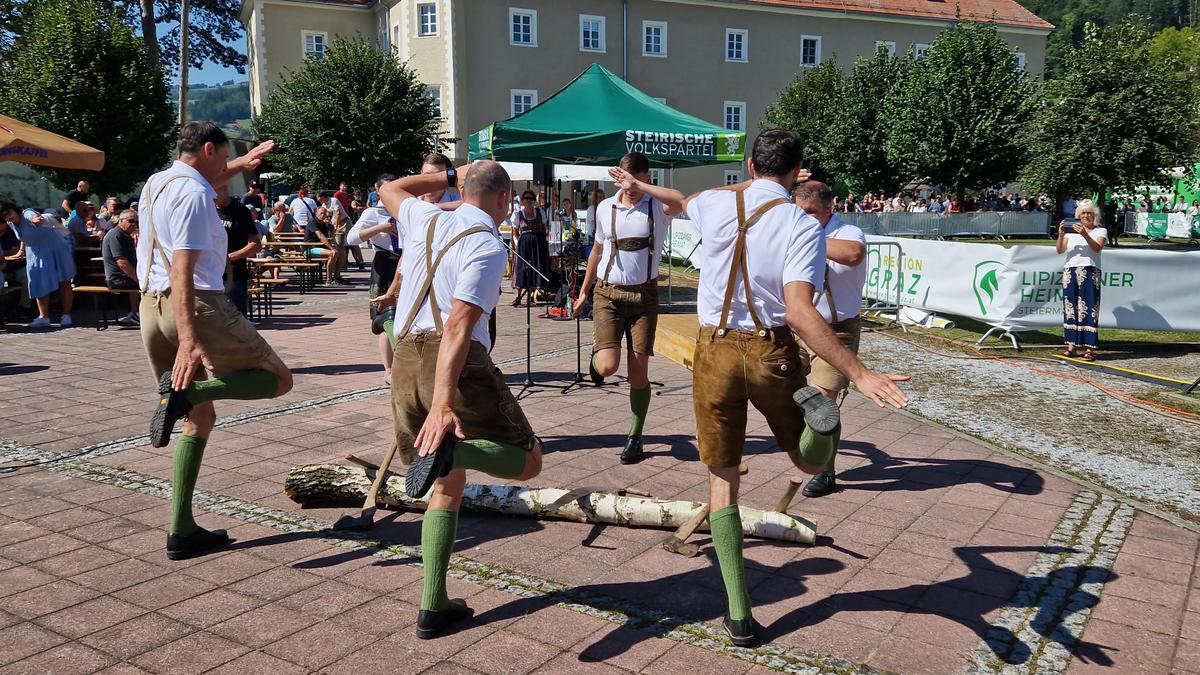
pixel 533 461
pixel 202 416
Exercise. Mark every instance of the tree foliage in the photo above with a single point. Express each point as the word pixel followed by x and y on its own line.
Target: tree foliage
pixel 1122 114
pixel 80 72
pixel 213 24
pixel 807 106
pixel 855 140
pixel 961 113
pixel 350 116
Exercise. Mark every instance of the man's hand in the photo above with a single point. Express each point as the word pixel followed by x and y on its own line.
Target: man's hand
pixel 384 301
pixel 577 304
pixel 881 387
pixel 256 154
pixel 462 172
pixel 188 360
pixel 437 423
pixel 37 220
pixel 803 176
pixel 624 180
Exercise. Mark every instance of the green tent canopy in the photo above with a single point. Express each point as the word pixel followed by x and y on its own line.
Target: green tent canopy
pixel 599 117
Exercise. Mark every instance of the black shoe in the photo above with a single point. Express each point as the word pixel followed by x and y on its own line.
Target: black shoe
pixel 424 471
pixel 820 413
pixel 597 378
pixel 381 318
pixel 742 632
pixel 820 485
pixel 172 407
pixel 182 547
pixel 433 623
pixel 633 453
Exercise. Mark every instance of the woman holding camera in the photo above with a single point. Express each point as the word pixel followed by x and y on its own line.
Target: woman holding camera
pixel 1082 244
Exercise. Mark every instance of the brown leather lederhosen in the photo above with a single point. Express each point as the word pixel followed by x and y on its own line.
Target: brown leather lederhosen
pixel 483 402
pixel 732 367
pixel 627 313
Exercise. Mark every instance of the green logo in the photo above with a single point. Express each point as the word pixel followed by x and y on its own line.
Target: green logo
pixel 986 283
pixel 733 143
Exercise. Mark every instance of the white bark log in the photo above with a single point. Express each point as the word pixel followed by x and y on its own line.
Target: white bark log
pixel 584 505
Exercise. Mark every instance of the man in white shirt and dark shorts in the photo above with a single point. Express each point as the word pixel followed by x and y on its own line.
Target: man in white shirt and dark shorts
pixel 189 324
pixel 630 229
pixel 451 407
pixel 762 258
pixel 845 273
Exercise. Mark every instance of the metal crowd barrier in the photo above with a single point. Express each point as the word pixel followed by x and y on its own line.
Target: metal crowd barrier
pixel 996 224
pixel 884 286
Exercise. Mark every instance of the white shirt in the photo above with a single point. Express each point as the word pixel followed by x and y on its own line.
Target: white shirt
pixel 1079 254
pixel 630 267
pixel 300 209
pixel 184 216
pixel 375 215
pixel 845 282
pixel 785 246
pixel 471 271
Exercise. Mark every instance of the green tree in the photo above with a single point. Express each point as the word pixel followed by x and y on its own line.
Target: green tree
pixel 350 116
pixel 1122 115
pixel 806 106
pixel 80 72
pixel 1183 44
pixel 854 141
pixel 961 114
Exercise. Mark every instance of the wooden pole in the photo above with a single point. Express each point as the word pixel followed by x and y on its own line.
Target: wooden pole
pixel 183 62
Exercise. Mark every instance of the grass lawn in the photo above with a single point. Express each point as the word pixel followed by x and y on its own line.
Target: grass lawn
pixel 970 330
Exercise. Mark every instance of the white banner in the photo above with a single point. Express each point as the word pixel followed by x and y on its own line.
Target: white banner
pixel 1163 225
pixel 683 242
pixel 1021 287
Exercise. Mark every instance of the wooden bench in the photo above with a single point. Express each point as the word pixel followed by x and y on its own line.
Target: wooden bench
pixel 102 300
pixel 262 296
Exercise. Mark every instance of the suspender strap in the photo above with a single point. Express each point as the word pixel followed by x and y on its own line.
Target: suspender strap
pixel 154 245
pixel 739 260
pixel 431 266
pixel 614 248
pixel 833 313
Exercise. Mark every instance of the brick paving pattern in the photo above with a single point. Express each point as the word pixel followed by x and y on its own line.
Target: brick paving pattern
pixel 939 554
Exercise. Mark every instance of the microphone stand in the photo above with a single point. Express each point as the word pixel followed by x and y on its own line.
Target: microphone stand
pixel 528 322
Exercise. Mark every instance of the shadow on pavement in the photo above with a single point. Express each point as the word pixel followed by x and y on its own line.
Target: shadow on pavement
pixel 17 369
pixel 918 474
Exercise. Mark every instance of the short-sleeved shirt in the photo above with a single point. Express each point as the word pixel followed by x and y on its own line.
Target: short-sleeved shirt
pixel 183 216
pixel 785 246
pixel 239 228
pixel 303 210
pixel 630 267
pixel 845 282
pixel 313 227
pixel 1079 254
pixel 258 201
pixel 77 225
pixel 343 199
pixel 382 241
pixel 118 244
pixel 73 197
pixel 471 271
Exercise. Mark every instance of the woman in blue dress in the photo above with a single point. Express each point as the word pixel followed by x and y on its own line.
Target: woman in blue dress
pixel 50 265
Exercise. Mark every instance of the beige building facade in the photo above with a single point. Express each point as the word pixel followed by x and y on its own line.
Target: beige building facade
pixel 724 61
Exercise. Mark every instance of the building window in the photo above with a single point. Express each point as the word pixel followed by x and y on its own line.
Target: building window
pixel 522 100
pixel 735 115
pixel 314 45
pixel 733 177
pixel 654 38
pixel 383 33
pixel 591 33
pixel 396 36
pixel 427 19
pixel 434 94
pixel 1021 61
pixel 810 50
pixel 921 50
pixel 736 45
pixel 888 45
pixel 657 177
pixel 522 30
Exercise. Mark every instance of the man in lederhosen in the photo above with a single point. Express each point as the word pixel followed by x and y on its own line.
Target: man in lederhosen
pixel 761 259
pixel 451 407
pixel 630 229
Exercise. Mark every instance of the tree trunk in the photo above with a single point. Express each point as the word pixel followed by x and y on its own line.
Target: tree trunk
pixel 149 31
pixel 183 62
pixel 333 482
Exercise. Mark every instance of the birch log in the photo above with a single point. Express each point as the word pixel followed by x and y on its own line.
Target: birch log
pixel 333 482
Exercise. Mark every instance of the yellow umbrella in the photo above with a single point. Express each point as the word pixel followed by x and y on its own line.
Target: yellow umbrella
pixel 20 142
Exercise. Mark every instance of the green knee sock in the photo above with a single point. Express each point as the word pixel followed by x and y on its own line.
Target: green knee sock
pixel 438 529
pixel 837 437
pixel 639 404
pixel 816 449
pixel 245 385
pixel 388 330
pixel 494 459
pixel 726 526
pixel 189 450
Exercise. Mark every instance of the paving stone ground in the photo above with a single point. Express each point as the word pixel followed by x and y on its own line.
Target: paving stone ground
pixel 939 555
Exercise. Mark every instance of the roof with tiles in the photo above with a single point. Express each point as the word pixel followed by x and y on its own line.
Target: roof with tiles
pixel 1004 12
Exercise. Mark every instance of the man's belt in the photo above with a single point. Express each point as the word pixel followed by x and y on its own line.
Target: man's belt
pixel 633 243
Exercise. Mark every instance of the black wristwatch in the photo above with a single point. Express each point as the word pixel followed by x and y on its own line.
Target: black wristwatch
pixel 451 177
